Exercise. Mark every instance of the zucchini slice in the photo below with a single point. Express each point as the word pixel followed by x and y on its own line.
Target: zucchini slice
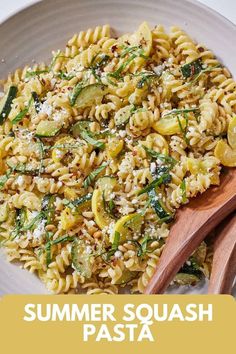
pixel 89 94
pixel 79 126
pixel 186 279
pixel 7 105
pixel 123 115
pixel 106 184
pixel 47 129
pixel 81 260
pixel 159 207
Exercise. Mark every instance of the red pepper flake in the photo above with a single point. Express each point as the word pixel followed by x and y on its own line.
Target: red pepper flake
pixel 192 70
pixel 201 49
pixel 113 48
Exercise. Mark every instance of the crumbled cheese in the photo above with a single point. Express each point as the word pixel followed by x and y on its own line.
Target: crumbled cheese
pixel 112 195
pixel 188 263
pixel 90 223
pixel 1 94
pixel 159 69
pixel 57 202
pixel 53 81
pixel 122 133
pixel 118 254
pixel 46 108
pixel 39 231
pixel 153 167
pixel 88 249
pixel 20 181
pixel 110 229
pixel 160 89
pixel 134 201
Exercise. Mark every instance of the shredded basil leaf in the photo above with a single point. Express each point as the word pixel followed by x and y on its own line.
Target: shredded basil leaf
pixel 163 177
pixel 191 69
pixel 87 137
pixel 4 178
pixel 180 111
pixel 91 177
pixel 22 113
pixel 157 155
pixel 183 190
pixel 114 246
pixel 159 207
pixel 77 202
pixel 75 93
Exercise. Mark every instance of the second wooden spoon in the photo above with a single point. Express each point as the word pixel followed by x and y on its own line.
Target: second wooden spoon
pixel 193 222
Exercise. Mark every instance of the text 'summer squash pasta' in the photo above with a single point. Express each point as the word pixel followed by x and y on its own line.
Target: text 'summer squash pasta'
pixel 101 146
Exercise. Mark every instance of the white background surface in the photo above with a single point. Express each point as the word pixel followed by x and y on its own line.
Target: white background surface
pixel 226 8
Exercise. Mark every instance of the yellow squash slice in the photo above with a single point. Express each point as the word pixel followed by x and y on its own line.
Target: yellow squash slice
pixel 225 154
pixel 143 37
pixel 114 147
pixel 102 218
pixel 169 125
pixel 232 133
pixel 127 226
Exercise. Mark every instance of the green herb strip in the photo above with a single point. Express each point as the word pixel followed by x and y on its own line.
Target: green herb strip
pixel 146 79
pixel 208 69
pixel 87 137
pixel 50 243
pixel 30 74
pixel 114 246
pixel 163 177
pixel 75 93
pixel 159 207
pixel 99 65
pixel 7 106
pixel 18 118
pixel 183 190
pixel 182 129
pixel 143 247
pixel 108 206
pixel 180 111
pixel 157 155
pixel 4 178
pixel 41 153
pixel 191 69
pixel 77 202
pixel 135 52
pixel 19 222
pixel 91 177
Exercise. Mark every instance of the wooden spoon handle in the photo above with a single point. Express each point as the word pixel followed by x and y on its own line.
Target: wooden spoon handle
pixel 193 223
pixel 224 259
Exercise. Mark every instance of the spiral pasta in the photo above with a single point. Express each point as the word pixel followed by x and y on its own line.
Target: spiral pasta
pixel 99 148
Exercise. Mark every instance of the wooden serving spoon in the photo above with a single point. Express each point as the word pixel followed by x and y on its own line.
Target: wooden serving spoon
pixel 224 259
pixel 193 222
